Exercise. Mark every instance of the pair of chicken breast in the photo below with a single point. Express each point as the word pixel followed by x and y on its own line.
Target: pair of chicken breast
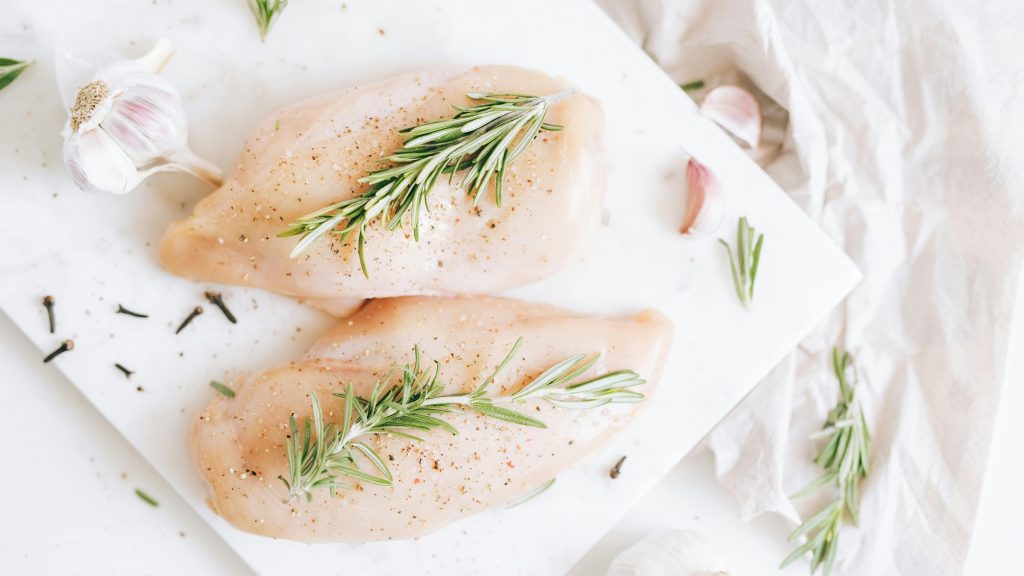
pixel 313 154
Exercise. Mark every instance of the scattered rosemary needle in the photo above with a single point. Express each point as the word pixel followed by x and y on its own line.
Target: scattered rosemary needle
pixel 695 85
pixel 222 388
pixel 845 460
pixel 531 494
pixel 267 12
pixel 481 140
pixel 146 498
pixel 10 70
pixel 748 257
pixel 320 452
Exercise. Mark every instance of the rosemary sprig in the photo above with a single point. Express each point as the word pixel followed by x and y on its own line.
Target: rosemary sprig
pixel 845 461
pixel 482 140
pixel 748 257
pixel 10 70
pixel 266 12
pixel 320 453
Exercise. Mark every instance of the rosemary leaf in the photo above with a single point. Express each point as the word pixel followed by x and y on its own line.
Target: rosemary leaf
pixel 531 494
pixel 223 389
pixel 319 453
pixel 845 461
pixel 499 413
pixel 479 141
pixel 744 265
pixel 146 498
pixel 695 85
pixel 266 13
pixel 10 70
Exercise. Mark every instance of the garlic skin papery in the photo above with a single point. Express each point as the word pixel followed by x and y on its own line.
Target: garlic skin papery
pixel 705 201
pixel 736 110
pixel 673 553
pixel 128 123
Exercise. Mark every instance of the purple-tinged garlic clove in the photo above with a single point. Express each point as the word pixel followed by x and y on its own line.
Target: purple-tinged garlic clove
pixel 705 201
pixel 736 110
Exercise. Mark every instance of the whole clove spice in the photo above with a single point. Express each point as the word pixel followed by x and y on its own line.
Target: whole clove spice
pixel 188 319
pixel 48 302
pixel 127 312
pixel 64 347
pixel 217 300
pixel 617 469
pixel 127 373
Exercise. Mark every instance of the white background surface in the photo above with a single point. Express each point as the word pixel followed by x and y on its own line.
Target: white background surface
pixel 74 511
pixel 67 499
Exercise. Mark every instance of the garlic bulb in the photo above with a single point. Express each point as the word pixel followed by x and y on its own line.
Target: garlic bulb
pixel 128 123
pixel 673 553
pixel 736 110
pixel 705 201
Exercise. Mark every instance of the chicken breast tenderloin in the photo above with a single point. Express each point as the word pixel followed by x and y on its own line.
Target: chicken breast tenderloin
pixel 238 444
pixel 313 153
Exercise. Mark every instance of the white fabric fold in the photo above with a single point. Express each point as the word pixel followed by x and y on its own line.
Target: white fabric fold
pixel 903 144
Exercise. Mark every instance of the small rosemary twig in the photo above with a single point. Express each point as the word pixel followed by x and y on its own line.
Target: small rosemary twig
pixel 748 257
pixel 320 452
pixel 267 12
pixel 481 140
pixel 845 460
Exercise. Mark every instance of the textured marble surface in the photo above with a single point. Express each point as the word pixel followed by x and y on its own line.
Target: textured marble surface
pixel 94 252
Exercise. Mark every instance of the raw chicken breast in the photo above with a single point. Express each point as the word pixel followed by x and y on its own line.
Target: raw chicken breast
pixel 238 443
pixel 311 155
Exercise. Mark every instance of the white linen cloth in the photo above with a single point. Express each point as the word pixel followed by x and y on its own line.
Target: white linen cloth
pixel 903 144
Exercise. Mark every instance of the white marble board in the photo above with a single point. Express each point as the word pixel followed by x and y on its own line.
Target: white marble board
pixel 93 252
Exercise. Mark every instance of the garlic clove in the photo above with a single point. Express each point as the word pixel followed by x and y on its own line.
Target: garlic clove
pixel 98 164
pixel 147 120
pixel 673 553
pixel 736 110
pixel 705 201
